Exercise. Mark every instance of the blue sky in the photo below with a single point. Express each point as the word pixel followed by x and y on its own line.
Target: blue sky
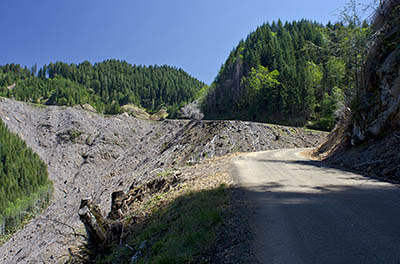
pixel 196 36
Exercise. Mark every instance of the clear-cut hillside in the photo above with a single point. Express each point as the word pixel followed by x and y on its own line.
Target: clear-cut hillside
pixel 93 155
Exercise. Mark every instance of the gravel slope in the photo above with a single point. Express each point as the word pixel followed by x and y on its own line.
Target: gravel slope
pixel 92 155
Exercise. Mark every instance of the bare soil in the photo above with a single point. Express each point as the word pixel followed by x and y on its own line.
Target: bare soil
pixel 377 158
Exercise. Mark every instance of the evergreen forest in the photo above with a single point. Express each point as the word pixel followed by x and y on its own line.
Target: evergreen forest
pixel 299 73
pixel 24 184
pixel 106 86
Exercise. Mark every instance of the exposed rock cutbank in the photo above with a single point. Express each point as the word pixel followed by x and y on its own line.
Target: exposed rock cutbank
pixel 367 139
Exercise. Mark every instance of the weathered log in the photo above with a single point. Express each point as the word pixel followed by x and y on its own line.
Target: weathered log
pixel 100 230
pixel 95 224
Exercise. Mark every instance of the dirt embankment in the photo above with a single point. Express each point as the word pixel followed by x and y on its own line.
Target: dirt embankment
pixel 93 155
pixel 377 157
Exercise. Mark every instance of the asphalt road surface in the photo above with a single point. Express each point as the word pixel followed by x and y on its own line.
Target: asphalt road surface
pixel 304 211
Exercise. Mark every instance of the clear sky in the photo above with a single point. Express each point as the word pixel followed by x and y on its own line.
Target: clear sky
pixel 196 36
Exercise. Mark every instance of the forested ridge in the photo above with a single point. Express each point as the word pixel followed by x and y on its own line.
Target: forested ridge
pixel 298 73
pixel 24 183
pixel 106 85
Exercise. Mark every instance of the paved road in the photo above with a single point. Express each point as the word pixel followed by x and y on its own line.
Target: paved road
pixel 306 212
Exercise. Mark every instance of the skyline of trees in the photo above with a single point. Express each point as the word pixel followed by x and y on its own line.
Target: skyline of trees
pixel 298 73
pixel 106 85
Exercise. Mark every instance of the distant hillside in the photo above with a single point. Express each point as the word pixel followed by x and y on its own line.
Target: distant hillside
pixel 295 73
pixel 107 85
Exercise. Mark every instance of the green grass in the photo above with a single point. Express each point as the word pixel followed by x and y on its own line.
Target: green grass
pixel 70 135
pixel 157 135
pixel 89 139
pixel 37 105
pixel 178 232
pixel 315 130
pixel 6 237
pixel 236 148
pixel 74 134
pixel 165 173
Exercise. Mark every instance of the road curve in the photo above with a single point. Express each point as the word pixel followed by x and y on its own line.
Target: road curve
pixel 304 211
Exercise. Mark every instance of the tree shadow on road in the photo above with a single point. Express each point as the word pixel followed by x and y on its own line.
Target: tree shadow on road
pixel 326 224
pixel 312 165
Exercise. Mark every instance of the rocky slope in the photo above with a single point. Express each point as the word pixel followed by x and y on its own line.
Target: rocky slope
pixel 367 139
pixel 379 103
pixel 90 155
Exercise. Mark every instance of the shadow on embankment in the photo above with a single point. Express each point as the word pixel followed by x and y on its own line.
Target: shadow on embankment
pixel 194 227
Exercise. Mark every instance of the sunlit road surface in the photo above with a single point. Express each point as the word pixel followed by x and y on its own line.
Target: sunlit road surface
pixel 304 211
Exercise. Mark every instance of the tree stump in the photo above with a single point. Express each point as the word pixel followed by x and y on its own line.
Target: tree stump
pixel 95 224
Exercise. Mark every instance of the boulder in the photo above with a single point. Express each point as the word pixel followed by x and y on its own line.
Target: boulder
pixel 191 111
pixel 162 114
pixel 136 111
pixel 89 108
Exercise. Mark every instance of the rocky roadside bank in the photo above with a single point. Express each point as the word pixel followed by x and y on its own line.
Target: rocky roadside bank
pixel 375 158
pixel 367 137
